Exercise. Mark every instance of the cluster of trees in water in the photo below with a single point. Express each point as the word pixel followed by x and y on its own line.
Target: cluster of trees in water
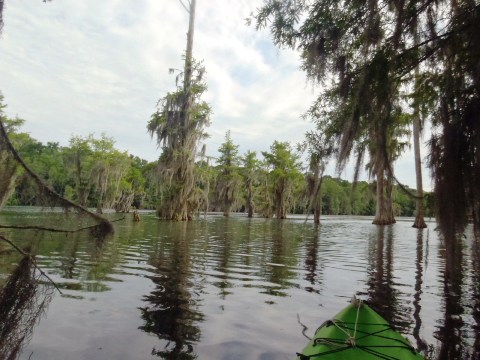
pixel 385 70
pixel 94 173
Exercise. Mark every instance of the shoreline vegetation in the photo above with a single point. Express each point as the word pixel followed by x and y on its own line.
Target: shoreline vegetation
pixel 93 173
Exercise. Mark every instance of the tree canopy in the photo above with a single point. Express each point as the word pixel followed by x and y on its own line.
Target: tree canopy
pixel 364 54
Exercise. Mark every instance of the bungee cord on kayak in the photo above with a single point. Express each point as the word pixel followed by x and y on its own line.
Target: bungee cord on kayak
pixel 375 339
pixel 351 341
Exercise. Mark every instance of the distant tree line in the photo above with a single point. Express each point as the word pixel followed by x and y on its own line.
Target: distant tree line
pixel 94 173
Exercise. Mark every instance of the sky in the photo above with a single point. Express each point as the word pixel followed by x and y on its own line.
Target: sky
pixel 71 67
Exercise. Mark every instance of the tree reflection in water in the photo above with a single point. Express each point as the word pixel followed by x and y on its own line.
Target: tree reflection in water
pixel 417 297
pixel 22 300
pixel 170 312
pixel 451 333
pixel 278 272
pixel 311 260
pixel 476 294
pixel 382 294
pixel 224 243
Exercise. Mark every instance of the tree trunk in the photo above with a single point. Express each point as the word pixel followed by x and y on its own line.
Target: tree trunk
pixel 383 215
pixel 250 208
pixel 188 65
pixel 178 207
pixel 379 209
pixel 227 209
pixel 207 202
pixel 317 212
pixel 389 201
pixel 419 213
pixel 318 202
pixel 280 211
pixel 99 205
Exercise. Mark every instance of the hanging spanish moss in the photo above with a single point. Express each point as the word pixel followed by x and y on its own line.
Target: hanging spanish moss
pixel 370 57
pixel 179 131
pixel 455 162
pixel 455 144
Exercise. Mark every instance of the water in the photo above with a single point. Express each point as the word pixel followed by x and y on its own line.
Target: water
pixel 234 288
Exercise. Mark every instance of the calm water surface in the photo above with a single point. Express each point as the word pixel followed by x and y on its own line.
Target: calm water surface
pixel 230 288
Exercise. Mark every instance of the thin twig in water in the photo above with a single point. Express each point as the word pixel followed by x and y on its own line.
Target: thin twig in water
pixel 34 262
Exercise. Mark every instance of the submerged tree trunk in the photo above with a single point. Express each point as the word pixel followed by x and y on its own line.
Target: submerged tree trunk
pixel 124 203
pixel 317 195
pixel 227 209
pixel 317 210
pixel 249 198
pixel 314 186
pixel 280 209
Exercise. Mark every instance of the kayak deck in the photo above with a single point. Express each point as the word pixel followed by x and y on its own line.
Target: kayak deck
pixel 358 333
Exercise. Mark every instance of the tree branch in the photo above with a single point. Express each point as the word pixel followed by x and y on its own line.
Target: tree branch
pixel 184 6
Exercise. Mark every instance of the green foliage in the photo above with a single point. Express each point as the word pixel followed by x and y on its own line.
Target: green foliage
pixel 89 171
pixel 284 172
pixel 250 174
pixel 228 180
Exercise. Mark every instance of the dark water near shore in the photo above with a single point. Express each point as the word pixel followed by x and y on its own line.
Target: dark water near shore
pixel 234 288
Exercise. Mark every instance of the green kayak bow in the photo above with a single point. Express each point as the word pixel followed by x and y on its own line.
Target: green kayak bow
pixel 358 333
